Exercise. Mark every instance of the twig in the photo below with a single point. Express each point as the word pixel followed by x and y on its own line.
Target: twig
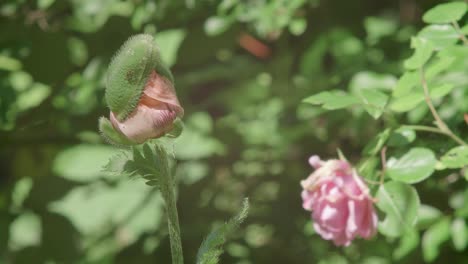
pixel 439 122
pixel 460 33
pixel 383 159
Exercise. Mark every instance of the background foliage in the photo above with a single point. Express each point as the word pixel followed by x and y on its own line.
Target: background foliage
pixel 242 70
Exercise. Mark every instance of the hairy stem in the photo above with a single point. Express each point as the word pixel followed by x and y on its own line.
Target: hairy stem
pixel 168 194
pixel 439 122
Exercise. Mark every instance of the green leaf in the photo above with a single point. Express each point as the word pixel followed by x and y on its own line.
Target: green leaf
pixel 211 248
pixel 401 136
pixel 407 102
pixel 427 216
pixel 455 158
pixel 423 51
pixel 371 80
pixel 406 83
pixel 413 167
pixel 98 207
pixel 25 231
pixel 400 203
pixel 433 239
pixel 298 26
pixel 216 25
pixel 331 100
pixel 440 36
pixel 459 234
pixel 408 242
pixel 445 13
pixel 374 102
pixel 376 144
pixel 441 64
pixel 169 42
pixel 83 162
pixel 33 96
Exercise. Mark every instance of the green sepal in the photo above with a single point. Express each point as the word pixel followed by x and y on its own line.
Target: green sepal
pixel 111 135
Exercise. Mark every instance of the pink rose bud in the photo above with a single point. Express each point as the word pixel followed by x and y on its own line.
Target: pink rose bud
pixel 155 113
pixel 342 208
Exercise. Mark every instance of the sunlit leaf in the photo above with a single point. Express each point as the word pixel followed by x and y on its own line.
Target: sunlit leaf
pixel 332 100
pixel 415 166
pixel 456 157
pixel 422 52
pixel 445 13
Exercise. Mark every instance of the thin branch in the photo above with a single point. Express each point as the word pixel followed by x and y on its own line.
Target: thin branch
pixel 383 159
pixel 439 122
pixel 460 33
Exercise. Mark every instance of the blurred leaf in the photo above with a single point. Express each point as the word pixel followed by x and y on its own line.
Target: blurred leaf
pixel 44 4
pixel 376 144
pixel 211 248
pixel 21 192
pixel 374 102
pixel 169 42
pixel 78 51
pixel 372 81
pixel 83 162
pixel 33 96
pixel 406 83
pixel 378 27
pixel 401 136
pixel 400 202
pixel 331 100
pixel 216 25
pixel 433 239
pixel 427 216
pixel 440 36
pixel 445 13
pixel 456 157
pixel 25 231
pixel 415 166
pixel 408 242
pixel 459 234
pixel 9 64
pixel 129 207
pixel 297 26
pixel 422 52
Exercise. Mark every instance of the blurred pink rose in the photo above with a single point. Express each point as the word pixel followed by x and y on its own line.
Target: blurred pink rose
pixel 342 208
pixel 155 113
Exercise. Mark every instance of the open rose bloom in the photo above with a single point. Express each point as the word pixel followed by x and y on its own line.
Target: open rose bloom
pixel 155 113
pixel 342 208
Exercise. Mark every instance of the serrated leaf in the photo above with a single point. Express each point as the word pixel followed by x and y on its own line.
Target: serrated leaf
pixel 332 100
pixel 211 248
pixel 415 166
pixel 445 13
pixel 400 203
pixel 422 53
pixel 433 239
